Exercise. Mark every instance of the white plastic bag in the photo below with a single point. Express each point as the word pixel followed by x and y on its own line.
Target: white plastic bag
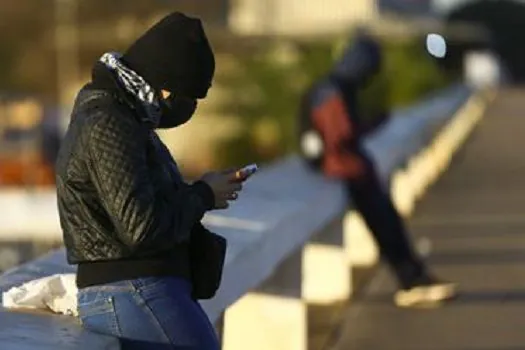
pixel 57 293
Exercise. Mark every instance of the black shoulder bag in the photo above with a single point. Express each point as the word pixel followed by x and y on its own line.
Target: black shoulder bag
pixel 207 257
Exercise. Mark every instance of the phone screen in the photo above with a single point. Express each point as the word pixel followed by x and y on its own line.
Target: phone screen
pixel 247 171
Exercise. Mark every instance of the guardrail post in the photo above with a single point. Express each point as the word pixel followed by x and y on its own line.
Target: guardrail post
pixel 273 316
pixel 326 271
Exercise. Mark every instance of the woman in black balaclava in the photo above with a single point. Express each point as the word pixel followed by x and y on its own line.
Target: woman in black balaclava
pixel 130 222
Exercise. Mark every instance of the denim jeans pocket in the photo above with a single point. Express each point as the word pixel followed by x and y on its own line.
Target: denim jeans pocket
pixel 97 313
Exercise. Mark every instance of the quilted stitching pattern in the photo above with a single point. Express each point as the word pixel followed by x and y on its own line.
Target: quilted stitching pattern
pixel 119 192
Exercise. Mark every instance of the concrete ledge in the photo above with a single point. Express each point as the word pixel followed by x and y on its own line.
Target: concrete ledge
pixel 291 240
pixel 24 331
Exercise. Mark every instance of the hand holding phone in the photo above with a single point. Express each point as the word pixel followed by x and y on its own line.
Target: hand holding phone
pixel 244 173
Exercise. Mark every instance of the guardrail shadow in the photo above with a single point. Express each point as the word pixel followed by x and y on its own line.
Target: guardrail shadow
pixel 466 257
pixel 464 297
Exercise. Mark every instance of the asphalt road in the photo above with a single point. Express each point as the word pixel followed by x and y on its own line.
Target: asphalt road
pixel 475 219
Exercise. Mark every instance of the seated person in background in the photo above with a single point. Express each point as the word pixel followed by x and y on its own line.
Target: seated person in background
pixel 332 134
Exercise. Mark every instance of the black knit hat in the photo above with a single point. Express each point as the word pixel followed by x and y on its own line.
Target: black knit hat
pixel 174 55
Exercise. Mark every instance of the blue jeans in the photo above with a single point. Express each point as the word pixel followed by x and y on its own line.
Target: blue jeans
pixel 148 313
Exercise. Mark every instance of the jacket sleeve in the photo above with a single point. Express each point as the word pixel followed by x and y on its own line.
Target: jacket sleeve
pixel 342 156
pixel 142 215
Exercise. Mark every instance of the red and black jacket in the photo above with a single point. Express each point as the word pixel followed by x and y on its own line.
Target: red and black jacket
pixel 328 113
pixel 331 110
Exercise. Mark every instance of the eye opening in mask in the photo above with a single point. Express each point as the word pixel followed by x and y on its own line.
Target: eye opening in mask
pixel 168 98
pixel 165 94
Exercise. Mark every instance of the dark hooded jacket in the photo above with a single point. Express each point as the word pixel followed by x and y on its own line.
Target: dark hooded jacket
pixel 331 109
pixel 124 209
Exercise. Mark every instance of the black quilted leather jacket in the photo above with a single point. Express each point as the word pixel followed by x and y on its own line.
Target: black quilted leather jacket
pixel 120 195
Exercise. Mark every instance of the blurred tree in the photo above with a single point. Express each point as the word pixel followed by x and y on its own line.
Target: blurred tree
pixel 265 93
pixel 27 49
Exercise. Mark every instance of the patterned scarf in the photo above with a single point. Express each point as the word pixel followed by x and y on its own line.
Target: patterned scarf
pixel 135 85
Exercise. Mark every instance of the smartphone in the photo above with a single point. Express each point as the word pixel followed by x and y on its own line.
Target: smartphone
pixel 247 171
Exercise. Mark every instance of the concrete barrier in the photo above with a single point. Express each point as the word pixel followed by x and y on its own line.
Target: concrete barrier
pixel 291 239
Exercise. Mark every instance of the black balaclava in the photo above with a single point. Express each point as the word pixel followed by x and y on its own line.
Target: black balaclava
pixel 176 111
pixel 174 55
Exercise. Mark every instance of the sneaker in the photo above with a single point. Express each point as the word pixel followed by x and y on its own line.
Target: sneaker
pixel 427 291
